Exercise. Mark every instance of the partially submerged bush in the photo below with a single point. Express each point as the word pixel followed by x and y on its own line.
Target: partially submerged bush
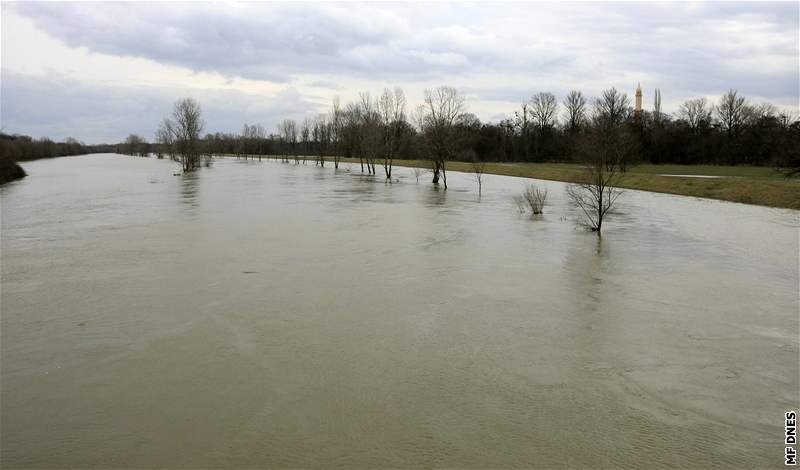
pixel 532 198
pixel 9 170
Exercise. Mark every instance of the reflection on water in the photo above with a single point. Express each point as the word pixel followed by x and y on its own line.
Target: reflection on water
pixel 189 186
pixel 267 314
pixel 434 195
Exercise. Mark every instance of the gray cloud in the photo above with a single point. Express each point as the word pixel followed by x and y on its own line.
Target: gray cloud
pixel 696 43
pixel 258 41
pixel 59 107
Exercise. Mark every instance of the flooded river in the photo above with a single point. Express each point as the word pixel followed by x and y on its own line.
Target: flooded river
pixel 267 314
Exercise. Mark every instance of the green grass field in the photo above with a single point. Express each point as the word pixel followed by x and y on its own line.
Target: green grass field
pixel 745 184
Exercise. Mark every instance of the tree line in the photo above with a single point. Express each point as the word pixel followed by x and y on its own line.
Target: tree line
pixel 18 147
pixel 377 130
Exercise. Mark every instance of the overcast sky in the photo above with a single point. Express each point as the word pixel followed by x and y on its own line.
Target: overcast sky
pixel 100 71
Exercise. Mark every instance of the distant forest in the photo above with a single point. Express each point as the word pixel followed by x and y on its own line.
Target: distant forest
pixel 17 148
pixel 22 147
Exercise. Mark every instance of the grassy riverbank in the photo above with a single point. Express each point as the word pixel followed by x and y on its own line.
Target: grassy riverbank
pixel 749 185
pixel 745 184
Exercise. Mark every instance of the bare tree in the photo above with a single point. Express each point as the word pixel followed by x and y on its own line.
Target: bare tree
pixel 523 124
pixel 612 107
pixel 244 142
pixel 370 131
pixel 478 169
pixel 281 135
pixel 605 151
pixel 696 113
pixel 186 125
pixel 251 140
pixel 287 130
pixel 321 131
pixel 305 133
pixel 350 132
pixel 575 110
pixel 418 143
pixel 544 108
pixel 757 112
pixel 443 106
pixel 164 139
pixel 336 132
pixel 731 112
pixel 596 196
pixel 392 112
pixel 257 136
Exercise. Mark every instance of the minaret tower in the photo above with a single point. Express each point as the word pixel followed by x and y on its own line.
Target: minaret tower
pixel 638 108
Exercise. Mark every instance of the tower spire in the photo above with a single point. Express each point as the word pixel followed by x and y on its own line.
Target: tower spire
pixel 638 108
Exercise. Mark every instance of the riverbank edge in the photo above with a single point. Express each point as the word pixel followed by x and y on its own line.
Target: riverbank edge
pixel 778 192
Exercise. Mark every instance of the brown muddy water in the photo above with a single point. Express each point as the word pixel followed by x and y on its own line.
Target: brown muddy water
pixel 268 314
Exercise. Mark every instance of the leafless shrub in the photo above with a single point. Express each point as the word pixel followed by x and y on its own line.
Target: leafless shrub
pixel 532 199
pixel 478 168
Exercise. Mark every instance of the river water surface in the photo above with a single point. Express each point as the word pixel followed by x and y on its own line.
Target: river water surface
pixel 264 314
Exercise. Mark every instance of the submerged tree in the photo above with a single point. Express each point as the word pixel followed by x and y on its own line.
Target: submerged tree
pixel 251 141
pixel 605 151
pixel 185 127
pixel 336 132
pixel 165 139
pixel 321 135
pixel 370 131
pixel 392 111
pixel 443 106
pixel 287 130
pixel 478 169
pixel 305 134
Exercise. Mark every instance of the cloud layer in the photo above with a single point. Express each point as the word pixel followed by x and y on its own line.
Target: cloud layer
pixel 251 61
